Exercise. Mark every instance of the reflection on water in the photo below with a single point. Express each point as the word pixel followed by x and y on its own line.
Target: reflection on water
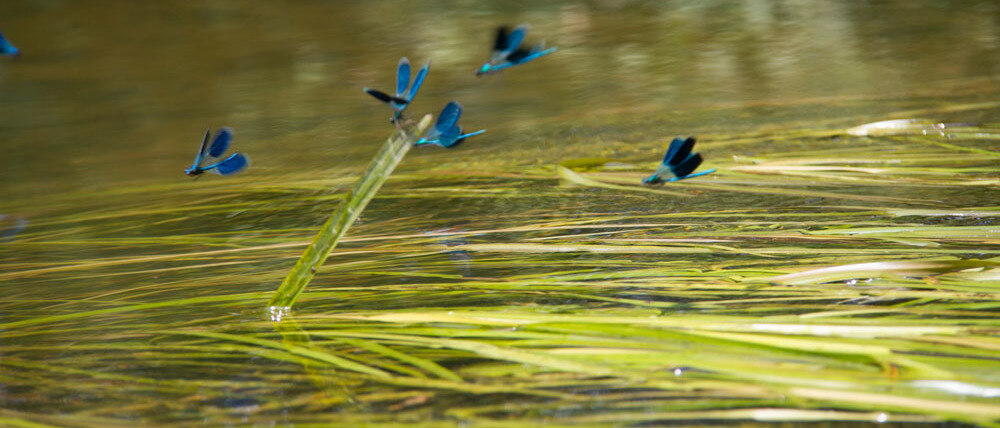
pixel 110 93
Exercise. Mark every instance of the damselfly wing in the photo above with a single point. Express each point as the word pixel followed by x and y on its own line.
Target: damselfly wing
pixel 678 162
pixel 8 49
pixel 405 91
pixel 236 162
pixel 446 132
pixel 507 50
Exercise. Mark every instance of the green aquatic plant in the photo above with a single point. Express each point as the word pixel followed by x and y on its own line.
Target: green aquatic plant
pixel 378 171
pixel 802 284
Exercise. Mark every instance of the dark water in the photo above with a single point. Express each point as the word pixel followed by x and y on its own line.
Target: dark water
pixel 107 105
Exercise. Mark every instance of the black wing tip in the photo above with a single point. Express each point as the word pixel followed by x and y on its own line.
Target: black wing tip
pixel 692 139
pixel 500 43
pixel 234 163
pixel 519 54
pixel 384 97
pixel 679 151
pixel 204 141
pixel 688 166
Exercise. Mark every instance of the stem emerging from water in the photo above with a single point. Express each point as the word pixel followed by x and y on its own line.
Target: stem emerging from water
pixel 391 153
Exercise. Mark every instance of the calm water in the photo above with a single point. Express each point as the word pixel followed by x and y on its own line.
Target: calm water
pixel 109 101
pixel 114 93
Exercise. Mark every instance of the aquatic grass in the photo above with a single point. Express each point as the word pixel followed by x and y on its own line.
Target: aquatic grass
pixel 336 226
pixel 593 305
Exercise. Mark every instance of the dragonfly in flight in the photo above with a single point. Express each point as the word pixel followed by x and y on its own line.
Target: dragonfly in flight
pixel 236 162
pixel 403 96
pixel 679 162
pixel 7 49
pixel 507 50
pixel 446 131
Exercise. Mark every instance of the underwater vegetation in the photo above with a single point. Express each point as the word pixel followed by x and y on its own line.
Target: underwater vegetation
pixel 445 133
pixel 765 299
pixel 824 273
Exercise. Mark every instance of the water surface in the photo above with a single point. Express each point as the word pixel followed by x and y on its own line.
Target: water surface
pixel 588 305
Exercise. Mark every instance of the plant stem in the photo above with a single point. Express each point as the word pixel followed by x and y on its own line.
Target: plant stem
pixel 385 161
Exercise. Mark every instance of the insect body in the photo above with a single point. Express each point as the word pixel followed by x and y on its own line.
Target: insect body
pixel 446 131
pixel 679 162
pixel 236 162
pixel 404 91
pixel 508 53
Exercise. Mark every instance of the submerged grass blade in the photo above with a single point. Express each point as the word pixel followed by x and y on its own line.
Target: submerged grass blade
pixel 501 299
pixel 570 176
pixel 289 348
pixel 919 268
pixel 385 161
pixel 129 308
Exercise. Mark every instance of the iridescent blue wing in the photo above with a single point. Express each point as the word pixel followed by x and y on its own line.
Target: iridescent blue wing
pixel 417 81
pixel 506 43
pixel 514 39
pixel 231 165
pixel 687 166
pixel 674 146
pixel 446 131
pixel 679 151
pixel 402 76
pixel 6 48
pixel 448 117
pixel 221 142
pixel 519 56
pixel 449 138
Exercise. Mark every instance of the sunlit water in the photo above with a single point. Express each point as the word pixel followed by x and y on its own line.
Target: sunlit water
pixel 111 98
pixel 108 94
